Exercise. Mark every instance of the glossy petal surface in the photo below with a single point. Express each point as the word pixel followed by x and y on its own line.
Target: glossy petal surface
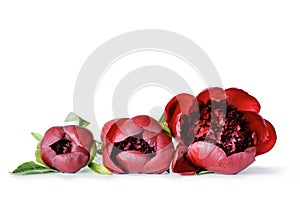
pixel 242 100
pixel 181 164
pixel 234 163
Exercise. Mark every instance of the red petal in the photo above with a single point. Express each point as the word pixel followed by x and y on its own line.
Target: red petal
pixel 269 141
pixel 106 128
pixel 47 154
pixel 234 163
pixel 214 93
pixel 242 100
pixel 71 162
pixel 147 123
pixel 109 136
pixel 147 135
pixel 51 136
pixel 264 132
pixel 181 164
pixel 125 130
pixel 80 136
pixel 204 154
pixel 122 129
pixel 178 105
pixel 132 161
pixel 107 162
pixel 162 141
pixel 161 161
pixel 181 103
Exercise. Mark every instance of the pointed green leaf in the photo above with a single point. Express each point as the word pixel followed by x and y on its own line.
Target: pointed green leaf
pixel 37 136
pixel 82 122
pixel 74 117
pixel 99 169
pixel 32 168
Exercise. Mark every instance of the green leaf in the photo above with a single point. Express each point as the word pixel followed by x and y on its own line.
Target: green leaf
pixel 38 157
pixel 93 152
pixel 161 119
pixel 99 147
pixel 82 122
pixel 204 172
pixel 99 169
pixel 164 125
pixel 166 129
pixel 74 117
pixel 32 168
pixel 37 136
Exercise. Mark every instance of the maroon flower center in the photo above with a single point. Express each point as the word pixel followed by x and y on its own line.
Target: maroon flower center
pixel 62 146
pixel 227 127
pixel 136 144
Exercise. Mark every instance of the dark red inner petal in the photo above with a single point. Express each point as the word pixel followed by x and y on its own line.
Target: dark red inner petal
pixel 225 126
pixel 62 146
pixel 136 143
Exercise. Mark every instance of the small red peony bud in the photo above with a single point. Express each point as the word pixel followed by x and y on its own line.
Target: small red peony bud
pixel 66 148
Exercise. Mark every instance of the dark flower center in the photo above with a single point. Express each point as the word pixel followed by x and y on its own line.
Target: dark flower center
pixel 226 128
pixel 62 146
pixel 136 144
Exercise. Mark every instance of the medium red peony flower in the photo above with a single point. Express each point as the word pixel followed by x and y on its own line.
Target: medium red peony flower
pixel 136 145
pixel 219 130
pixel 67 148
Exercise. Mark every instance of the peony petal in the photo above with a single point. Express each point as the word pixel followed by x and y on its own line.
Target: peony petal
pixel 214 93
pixel 204 154
pixel 182 104
pixel 106 128
pixel 181 164
pixel 109 137
pixel 122 129
pixel 269 141
pixel 162 141
pixel 264 140
pixel 234 163
pixel 80 136
pixel 47 154
pixel 132 161
pixel 161 161
pixel 51 136
pixel 70 162
pixel 242 100
pixel 107 162
pixel 147 123
pixel 147 135
pixel 126 129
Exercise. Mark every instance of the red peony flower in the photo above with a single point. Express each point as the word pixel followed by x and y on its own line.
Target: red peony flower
pixel 67 148
pixel 136 145
pixel 219 130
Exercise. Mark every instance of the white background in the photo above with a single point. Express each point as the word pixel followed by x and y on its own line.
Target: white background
pixel 255 45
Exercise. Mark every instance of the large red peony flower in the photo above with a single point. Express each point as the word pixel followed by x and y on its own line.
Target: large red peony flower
pixel 136 145
pixel 219 130
pixel 66 148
